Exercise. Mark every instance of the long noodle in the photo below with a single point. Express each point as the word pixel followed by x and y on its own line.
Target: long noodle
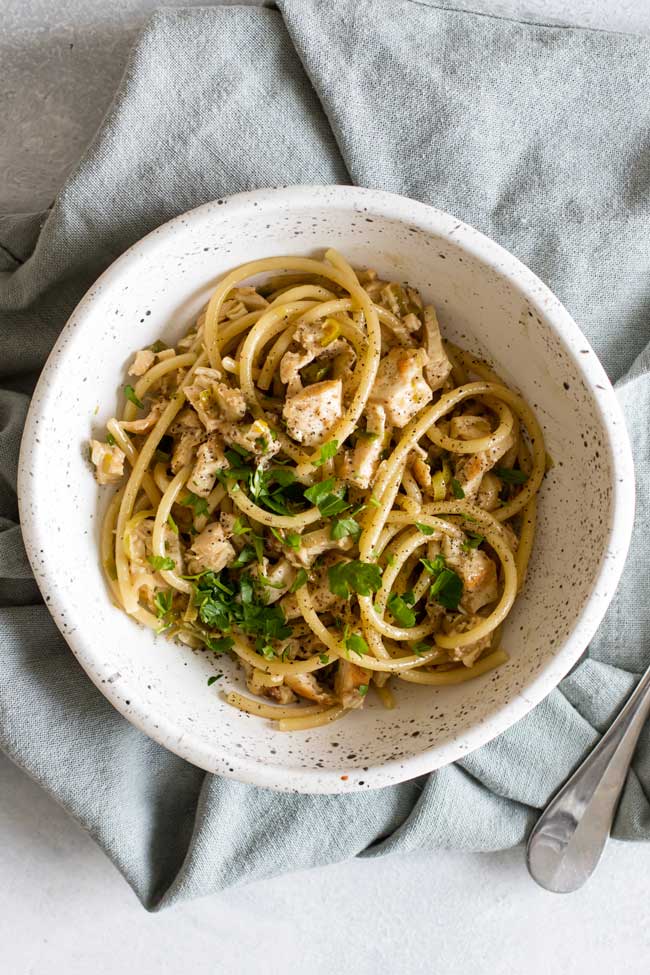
pixel 381 529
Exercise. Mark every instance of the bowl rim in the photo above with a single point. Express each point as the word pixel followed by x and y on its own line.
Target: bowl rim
pixel 162 728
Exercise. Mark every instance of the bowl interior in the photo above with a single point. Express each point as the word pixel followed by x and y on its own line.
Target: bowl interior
pixel 487 303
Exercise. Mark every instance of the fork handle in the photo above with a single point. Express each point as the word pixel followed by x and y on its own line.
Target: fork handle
pixel 570 835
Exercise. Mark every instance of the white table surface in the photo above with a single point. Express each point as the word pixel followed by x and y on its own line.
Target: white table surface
pixel 63 907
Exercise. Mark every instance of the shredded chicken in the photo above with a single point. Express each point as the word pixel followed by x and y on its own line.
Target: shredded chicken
pixel 311 341
pixel 488 493
pixel 142 362
pixel 108 460
pixel 311 413
pixel 275 580
pixel 349 678
pixel 360 465
pixel 188 432
pixel 438 366
pixel 471 468
pixel 469 654
pixel 210 550
pixel 467 427
pixel 210 458
pixel 213 401
pixel 145 423
pixel 307 686
pixel 419 464
pixel 400 386
pixel 476 569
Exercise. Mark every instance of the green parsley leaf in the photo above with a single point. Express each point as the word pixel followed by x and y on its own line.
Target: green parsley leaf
pixel 158 346
pixel 363 689
pixel 129 392
pixel 161 562
pixel 360 577
pixel 240 526
pixel 267 651
pixel 198 505
pixel 293 540
pixel 374 501
pixel 434 566
pixel 356 644
pixel 214 678
pixel 172 524
pixel 400 610
pixel 299 581
pixel 328 499
pixel 110 440
pixel 246 555
pixel 425 529
pixel 341 527
pixel 457 489
pixel 222 645
pixel 161 456
pixel 473 541
pixel 420 648
pixel 447 589
pixel 324 659
pixel 367 435
pixel 327 451
pixel 163 603
pixel 510 476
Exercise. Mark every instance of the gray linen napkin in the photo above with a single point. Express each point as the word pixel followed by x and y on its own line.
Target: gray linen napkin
pixel 538 136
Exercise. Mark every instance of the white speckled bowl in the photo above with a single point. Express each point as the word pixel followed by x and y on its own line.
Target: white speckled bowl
pixel 487 301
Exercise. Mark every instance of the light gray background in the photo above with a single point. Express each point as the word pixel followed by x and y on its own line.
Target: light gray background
pixel 63 907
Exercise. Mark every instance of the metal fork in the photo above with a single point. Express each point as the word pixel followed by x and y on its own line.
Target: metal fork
pixel 569 837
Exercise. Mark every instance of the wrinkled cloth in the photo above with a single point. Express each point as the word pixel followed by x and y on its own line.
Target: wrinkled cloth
pixel 538 136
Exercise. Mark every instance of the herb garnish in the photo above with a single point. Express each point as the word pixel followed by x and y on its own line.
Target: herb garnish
pixel 329 499
pixel 327 451
pixel 510 475
pixel 129 392
pixel 447 587
pixel 400 608
pixel 360 577
pixel 161 563
pixel 457 489
pixel 299 581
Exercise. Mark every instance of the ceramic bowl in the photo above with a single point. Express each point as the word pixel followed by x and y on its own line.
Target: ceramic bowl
pixel 487 302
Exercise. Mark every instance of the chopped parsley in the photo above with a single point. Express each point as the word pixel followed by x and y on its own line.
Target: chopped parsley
pixel 324 659
pixel 172 524
pixel 355 643
pixel 473 541
pixel 329 499
pixel 401 609
pixel 511 476
pixel 163 603
pixel 161 563
pixel 425 529
pixel 363 689
pixel 327 451
pixel 360 577
pixel 129 392
pixel 214 678
pixel 420 648
pixel 240 526
pixel 366 435
pixel 198 505
pixel 457 489
pixel 447 587
pixel 110 440
pixel 220 645
pixel 246 555
pixel 341 527
pixel 292 539
pixel 225 604
pixel 299 581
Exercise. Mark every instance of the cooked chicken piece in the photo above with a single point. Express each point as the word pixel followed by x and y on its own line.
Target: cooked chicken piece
pixel 142 362
pixel 173 549
pixel 400 386
pixel 146 423
pixel 315 543
pixel 257 681
pixel 311 413
pixel 210 458
pixel 307 686
pixel 138 544
pixel 275 579
pixel 488 492
pixel 213 400
pixel 188 432
pixel 360 465
pixel 470 653
pixel 249 296
pixel 476 569
pixel 281 694
pixel 227 521
pixel 438 365
pixel 257 438
pixel 469 427
pixel 471 468
pixel 210 550
pixel 349 678
pixel 313 340
pixel 419 464
pixel 108 461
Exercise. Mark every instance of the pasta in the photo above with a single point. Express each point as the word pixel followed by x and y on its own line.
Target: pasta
pixel 315 483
